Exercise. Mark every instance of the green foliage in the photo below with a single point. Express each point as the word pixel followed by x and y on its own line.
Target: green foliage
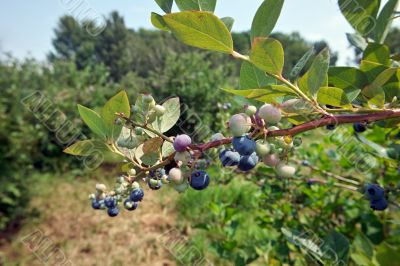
pixel 200 29
pixel 265 19
pixel 267 54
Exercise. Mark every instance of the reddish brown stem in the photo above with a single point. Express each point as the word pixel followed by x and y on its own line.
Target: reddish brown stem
pixel 335 120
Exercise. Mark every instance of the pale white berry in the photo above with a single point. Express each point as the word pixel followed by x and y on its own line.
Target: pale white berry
pixel 262 148
pixel 285 170
pixel 239 124
pixel 175 175
pixel 270 113
pixel 217 136
pixel 101 187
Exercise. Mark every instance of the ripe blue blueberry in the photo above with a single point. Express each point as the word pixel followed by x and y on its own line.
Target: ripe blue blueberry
pixel 359 127
pixel 379 205
pixel 112 212
pixel 229 157
pixel 154 184
pixel 244 145
pixel 110 202
pixel 199 180
pixel 96 204
pixel 130 205
pixel 181 142
pixel 330 127
pixel 248 162
pixel 374 192
pixel 137 195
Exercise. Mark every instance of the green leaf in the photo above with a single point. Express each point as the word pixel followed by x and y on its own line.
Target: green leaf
pixel 165 5
pixel 167 149
pixel 148 159
pixel 152 145
pixel 336 247
pixel 361 14
pixel 200 5
pixel 171 116
pixel 87 148
pixel 357 41
pixel 267 94
pixel 117 104
pixel 387 254
pixel 200 29
pixel 267 54
pixel 294 74
pixel 228 21
pixel 377 53
pixel 363 245
pixel 385 20
pixel 93 121
pixel 350 79
pixel 317 75
pixel 265 19
pixel 374 92
pixel 158 22
pixel 371 69
pixel 252 77
pixel 332 96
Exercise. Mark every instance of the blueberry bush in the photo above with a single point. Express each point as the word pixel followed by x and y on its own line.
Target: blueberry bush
pixel 295 180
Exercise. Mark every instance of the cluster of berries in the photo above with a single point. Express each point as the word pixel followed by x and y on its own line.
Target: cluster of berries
pixel 376 196
pixel 181 173
pixel 132 193
pixel 246 152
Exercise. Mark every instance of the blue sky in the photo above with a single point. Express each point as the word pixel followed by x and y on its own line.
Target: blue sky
pixel 26 27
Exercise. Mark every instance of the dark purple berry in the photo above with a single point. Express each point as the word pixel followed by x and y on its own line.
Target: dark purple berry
pixel 137 195
pixel 110 202
pixel 96 205
pixel 359 127
pixel 248 162
pixel 379 205
pixel 374 192
pixel 331 127
pixel 244 145
pixel 130 205
pixel 154 184
pixel 199 180
pixel 112 212
pixel 229 157
pixel 181 142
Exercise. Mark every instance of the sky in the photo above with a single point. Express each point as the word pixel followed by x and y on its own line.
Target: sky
pixel 27 27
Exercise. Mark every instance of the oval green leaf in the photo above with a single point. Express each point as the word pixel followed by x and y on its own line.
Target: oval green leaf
pixel 265 19
pixel 93 121
pixel 267 54
pixel 200 29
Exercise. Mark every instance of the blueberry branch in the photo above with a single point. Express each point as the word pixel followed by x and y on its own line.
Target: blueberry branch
pixel 133 123
pixel 336 120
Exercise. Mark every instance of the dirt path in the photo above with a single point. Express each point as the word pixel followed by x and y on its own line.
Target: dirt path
pixel 87 237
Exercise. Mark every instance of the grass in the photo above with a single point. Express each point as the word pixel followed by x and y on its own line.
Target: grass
pixel 88 237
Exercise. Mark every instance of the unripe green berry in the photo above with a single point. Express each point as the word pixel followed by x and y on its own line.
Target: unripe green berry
pixel 262 148
pixel 183 157
pixel 139 131
pixel 160 110
pixel 132 172
pixel 250 110
pixel 297 142
pixel 147 98
pixel 239 124
pixel 270 113
pixel 135 185
pixel 152 117
pixel 285 170
pixel 217 136
pixel 182 187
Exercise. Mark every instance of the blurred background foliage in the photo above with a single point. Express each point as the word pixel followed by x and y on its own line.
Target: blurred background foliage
pixel 239 219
